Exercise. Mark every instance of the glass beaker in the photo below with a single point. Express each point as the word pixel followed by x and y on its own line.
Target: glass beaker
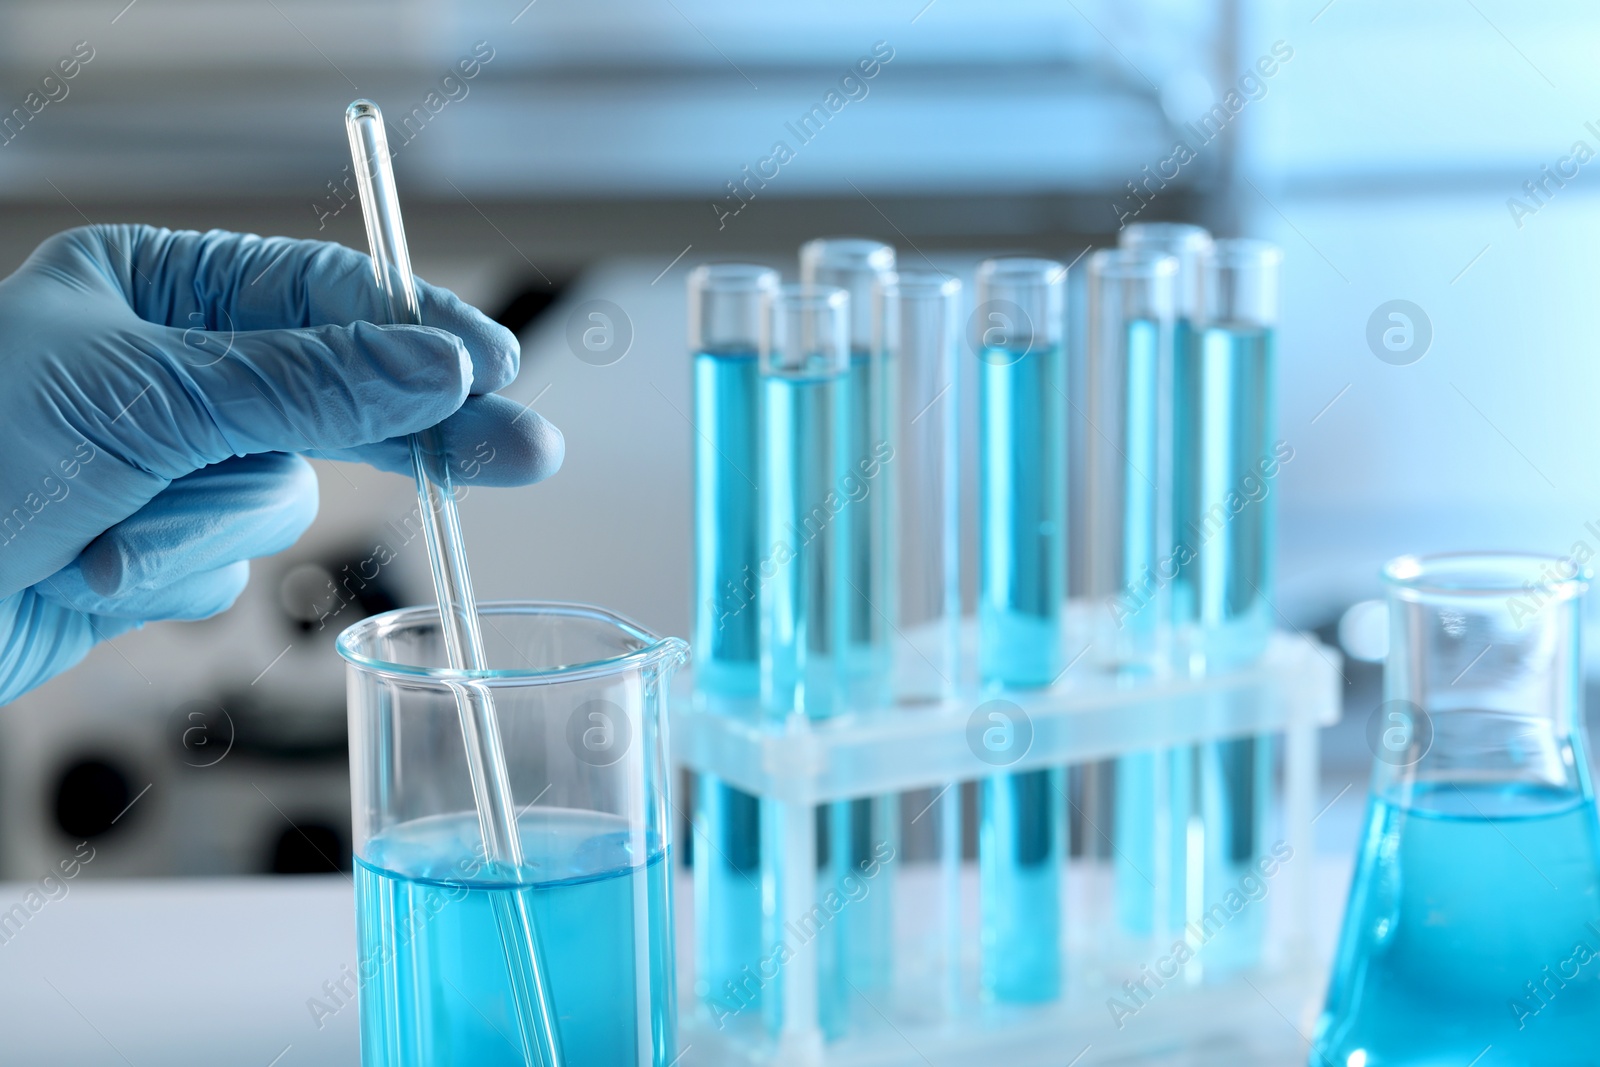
pixel 1472 934
pixel 580 695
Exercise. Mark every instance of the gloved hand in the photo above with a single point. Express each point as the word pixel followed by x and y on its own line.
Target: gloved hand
pixel 157 393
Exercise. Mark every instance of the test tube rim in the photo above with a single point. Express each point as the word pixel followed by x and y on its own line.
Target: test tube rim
pixel 1051 272
pixel 1187 236
pixel 1243 253
pixel 1131 263
pixel 920 282
pixel 808 297
pixel 654 649
pixel 720 276
pixel 1420 574
pixel 854 253
pixel 800 297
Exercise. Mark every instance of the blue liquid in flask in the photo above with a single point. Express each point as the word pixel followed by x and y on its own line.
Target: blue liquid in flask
pixel 1472 934
pixel 434 986
pixel 728 556
pixel 1022 559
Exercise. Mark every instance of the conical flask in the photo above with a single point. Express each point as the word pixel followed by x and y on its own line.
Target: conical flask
pixel 1472 934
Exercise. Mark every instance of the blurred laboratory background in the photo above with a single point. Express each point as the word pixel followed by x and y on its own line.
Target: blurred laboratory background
pixel 565 163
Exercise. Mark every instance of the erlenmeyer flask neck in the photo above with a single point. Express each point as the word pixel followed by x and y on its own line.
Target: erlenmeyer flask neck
pixel 1483 684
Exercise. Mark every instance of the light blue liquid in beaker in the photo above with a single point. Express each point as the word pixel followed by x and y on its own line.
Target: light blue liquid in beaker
pixel 1022 560
pixel 1472 933
pixel 728 556
pixel 439 994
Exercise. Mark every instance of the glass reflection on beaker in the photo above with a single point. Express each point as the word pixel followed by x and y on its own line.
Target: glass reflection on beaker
pixel 1472 933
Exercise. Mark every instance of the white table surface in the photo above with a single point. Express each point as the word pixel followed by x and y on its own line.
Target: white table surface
pixel 179 974
pixel 205 973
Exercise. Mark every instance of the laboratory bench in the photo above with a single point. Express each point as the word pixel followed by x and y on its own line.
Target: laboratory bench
pixel 255 972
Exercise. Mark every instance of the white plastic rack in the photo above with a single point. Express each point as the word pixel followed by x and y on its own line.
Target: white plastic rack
pixel 933 1014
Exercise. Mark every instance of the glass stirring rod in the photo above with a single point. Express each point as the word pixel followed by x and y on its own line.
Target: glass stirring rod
pixel 458 612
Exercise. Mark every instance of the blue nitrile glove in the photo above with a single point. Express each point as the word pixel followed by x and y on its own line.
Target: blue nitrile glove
pixel 155 388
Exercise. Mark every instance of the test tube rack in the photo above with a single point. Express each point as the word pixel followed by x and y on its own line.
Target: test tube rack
pixel 933 1015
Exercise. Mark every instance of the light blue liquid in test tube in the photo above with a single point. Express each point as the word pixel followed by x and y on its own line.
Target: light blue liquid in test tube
pixel 1018 326
pixel 856 829
pixel 804 369
pixel 1226 506
pixel 1226 496
pixel 1125 519
pixel 725 308
pixel 1225 502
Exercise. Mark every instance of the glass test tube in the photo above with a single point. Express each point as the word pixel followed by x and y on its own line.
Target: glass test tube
pixel 805 360
pixel 1159 889
pixel 1019 325
pixel 857 265
pixel 1223 426
pixel 1224 508
pixel 1129 344
pixel 1124 520
pixel 725 308
pixel 918 318
pixel 853 830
